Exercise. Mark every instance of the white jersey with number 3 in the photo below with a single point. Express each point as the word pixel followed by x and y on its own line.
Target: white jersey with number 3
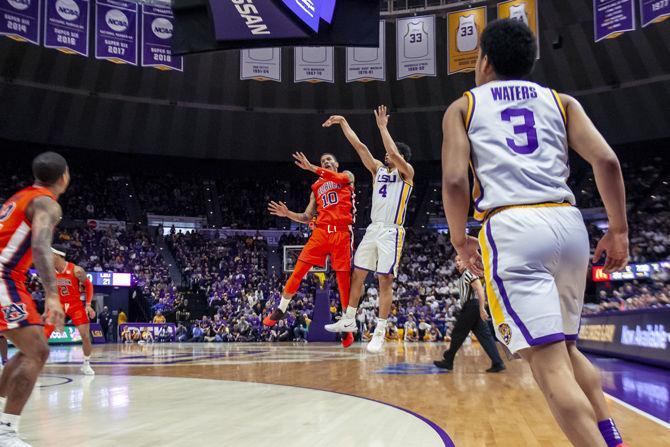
pixel 389 197
pixel 519 148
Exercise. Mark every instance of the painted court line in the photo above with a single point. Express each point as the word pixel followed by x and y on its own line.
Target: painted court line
pixel 638 411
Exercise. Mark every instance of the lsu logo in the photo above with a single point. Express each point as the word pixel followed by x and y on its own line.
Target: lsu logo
pixel 21 5
pixel 67 9
pixel 162 28
pixel 385 178
pixel 7 210
pixel 505 332
pixel 116 20
pixel 15 313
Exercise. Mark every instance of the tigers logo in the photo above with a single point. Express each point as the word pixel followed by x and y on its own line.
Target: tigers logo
pixel 15 312
pixel 505 332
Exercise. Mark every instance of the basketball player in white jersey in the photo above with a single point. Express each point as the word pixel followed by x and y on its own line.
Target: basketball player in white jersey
pixel 467 34
pixel 534 244
pixel 381 248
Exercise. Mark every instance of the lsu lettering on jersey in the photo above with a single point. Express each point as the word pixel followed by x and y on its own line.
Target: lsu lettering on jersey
pixel 390 197
pixel 467 34
pixel 519 148
pixel 415 41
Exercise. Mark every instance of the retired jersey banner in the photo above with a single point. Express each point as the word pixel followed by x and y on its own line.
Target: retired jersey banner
pixel 20 20
pixel 415 47
pixel 368 64
pixel 612 18
pixel 525 11
pixel 66 26
pixel 464 28
pixel 116 31
pixel 260 64
pixel 157 30
pixel 314 64
pixel 654 11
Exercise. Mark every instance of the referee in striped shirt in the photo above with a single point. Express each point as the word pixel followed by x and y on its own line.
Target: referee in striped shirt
pixel 472 317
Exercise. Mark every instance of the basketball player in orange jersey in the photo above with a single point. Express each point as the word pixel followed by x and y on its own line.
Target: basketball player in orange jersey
pixel 71 279
pixel 332 201
pixel 27 222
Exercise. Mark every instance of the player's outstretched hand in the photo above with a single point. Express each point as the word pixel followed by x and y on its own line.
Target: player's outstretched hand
pixel 302 162
pixel 53 312
pixel 615 247
pixel 469 253
pixel 335 119
pixel 90 312
pixel 278 209
pixel 382 116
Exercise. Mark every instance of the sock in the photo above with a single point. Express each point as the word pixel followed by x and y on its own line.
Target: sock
pixel 10 420
pixel 351 312
pixel 381 324
pixel 283 305
pixel 87 359
pixel 610 433
pixel 3 401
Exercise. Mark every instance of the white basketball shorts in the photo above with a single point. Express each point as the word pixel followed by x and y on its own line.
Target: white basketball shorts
pixel 380 249
pixel 535 262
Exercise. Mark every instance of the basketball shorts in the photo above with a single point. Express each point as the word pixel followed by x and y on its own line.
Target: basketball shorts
pixel 381 249
pixel 17 306
pixel 535 262
pixel 76 311
pixel 322 243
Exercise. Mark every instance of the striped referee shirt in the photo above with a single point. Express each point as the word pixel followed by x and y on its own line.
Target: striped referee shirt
pixel 465 289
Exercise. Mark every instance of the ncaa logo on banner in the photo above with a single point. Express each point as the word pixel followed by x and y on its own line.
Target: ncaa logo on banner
pixel 19 4
pixel 67 9
pixel 116 20
pixel 162 28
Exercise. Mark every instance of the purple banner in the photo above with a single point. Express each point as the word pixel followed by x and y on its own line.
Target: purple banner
pixel 20 20
pixel 66 26
pixel 116 31
pixel 611 18
pixel 654 11
pixel 157 29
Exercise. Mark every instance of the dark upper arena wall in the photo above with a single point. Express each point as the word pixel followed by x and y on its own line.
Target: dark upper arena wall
pixel 207 112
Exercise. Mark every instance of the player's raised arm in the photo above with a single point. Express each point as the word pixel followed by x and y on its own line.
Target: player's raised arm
pixel 342 178
pixel 585 139
pixel 406 169
pixel 280 209
pixel 362 150
pixel 456 185
pixel 46 213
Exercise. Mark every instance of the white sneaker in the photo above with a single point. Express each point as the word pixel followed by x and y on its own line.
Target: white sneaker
pixel 377 343
pixel 10 438
pixel 343 325
pixel 87 370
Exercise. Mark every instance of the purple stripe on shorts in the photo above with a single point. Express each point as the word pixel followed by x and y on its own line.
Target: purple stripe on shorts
pixel 546 339
pixel 395 252
pixel 572 337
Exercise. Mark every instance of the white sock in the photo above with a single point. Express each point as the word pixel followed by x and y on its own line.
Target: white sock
pixel 351 312
pixel 381 324
pixel 10 420
pixel 87 359
pixel 283 305
pixel 3 401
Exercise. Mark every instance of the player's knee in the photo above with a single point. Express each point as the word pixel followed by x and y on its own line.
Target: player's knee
pixel 385 280
pixel 40 352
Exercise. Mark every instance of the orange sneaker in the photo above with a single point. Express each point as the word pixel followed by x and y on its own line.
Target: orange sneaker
pixel 348 340
pixel 273 318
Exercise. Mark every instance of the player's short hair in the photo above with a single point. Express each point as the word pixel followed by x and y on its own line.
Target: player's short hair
pixel 328 153
pixel 404 150
pixel 511 48
pixel 49 167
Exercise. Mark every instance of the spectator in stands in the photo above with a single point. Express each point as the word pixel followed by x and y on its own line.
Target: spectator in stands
pixel 198 334
pixel 181 334
pixel 159 318
pixel 300 327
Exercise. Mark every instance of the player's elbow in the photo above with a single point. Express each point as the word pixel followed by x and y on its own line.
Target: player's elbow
pixel 454 183
pixel 607 162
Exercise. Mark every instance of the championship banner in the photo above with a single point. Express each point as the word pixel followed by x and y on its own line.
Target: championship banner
pixel 464 28
pixel 21 20
pixel 654 11
pixel 260 64
pixel 116 31
pixel 415 47
pixel 314 64
pixel 157 29
pixel 368 64
pixel 66 26
pixel 612 18
pixel 524 10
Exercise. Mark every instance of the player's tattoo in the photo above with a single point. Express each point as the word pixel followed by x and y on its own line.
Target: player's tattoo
pixel 46 214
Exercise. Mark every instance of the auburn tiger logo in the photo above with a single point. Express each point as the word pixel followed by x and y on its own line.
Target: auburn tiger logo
pixel 15 312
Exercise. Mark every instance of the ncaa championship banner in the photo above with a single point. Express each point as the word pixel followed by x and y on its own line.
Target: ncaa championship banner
pixel 368 64
pixel 612 18
pixel 116 24
pixel 463 31
pixel 20 20
pixel 314 64
pixel 157 30
pixel 654 11
pixel 66 26
pixel 415 47
pixel 524 10
pixel 260 64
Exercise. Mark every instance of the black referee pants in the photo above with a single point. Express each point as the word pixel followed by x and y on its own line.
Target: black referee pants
pixel 469 320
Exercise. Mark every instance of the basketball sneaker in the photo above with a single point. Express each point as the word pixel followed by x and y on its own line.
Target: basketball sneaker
pixel 10 438
pixel 344 324
pixel 273 318
pixel 86 369
pixel 347 340
pixel 377 343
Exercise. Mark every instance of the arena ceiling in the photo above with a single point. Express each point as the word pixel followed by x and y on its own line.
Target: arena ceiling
pixel 207 112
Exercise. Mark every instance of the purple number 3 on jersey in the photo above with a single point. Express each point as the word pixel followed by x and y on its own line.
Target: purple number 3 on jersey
pixel 528 128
